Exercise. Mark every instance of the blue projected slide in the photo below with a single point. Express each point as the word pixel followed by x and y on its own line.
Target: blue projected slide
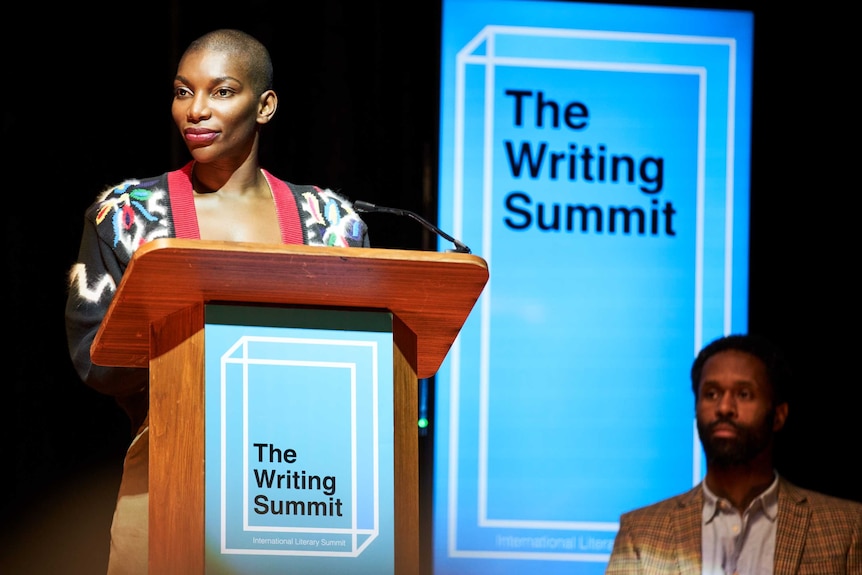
pixel 597 156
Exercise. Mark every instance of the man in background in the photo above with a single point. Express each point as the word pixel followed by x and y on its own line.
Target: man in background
pixel 743 518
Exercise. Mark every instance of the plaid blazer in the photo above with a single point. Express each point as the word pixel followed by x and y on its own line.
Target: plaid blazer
pixel 816 535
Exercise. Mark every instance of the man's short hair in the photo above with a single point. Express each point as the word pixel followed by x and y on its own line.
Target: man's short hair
pixel 777 370
pixel 257 59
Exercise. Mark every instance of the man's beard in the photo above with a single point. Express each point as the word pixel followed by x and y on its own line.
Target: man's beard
pixel 728 451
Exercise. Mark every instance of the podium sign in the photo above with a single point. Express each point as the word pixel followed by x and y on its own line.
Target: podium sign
pixel 299 436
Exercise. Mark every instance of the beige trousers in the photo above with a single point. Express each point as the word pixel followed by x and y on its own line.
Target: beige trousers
pixel 129 530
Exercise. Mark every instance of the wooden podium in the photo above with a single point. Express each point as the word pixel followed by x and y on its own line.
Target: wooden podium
pixel 156 320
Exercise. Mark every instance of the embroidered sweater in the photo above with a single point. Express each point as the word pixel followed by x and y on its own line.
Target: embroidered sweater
pixel 126 216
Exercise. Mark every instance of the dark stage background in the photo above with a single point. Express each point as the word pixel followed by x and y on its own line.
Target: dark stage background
pixel 87 104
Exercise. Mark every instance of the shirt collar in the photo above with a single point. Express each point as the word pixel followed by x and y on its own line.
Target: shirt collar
pixel 767 501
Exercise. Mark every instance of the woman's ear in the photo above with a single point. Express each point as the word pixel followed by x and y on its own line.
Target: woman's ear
pixel 267 106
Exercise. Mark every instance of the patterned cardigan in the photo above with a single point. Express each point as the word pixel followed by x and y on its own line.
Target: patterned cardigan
pixel 816 534
pixel 127 216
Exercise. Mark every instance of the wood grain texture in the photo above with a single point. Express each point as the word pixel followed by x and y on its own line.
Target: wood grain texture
pixel 176 468
pixel 432 293
pixel 406 454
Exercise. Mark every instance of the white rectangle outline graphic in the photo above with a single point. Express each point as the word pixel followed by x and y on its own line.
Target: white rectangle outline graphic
pixel 465 56
pixel 245 361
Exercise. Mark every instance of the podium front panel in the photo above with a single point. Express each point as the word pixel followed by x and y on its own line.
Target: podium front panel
pixel 298 441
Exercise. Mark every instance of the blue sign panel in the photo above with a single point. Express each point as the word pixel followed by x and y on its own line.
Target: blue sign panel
pixel 597 156
pixel 299 460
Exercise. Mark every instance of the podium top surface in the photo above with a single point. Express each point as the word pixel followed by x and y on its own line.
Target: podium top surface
pixel 432 293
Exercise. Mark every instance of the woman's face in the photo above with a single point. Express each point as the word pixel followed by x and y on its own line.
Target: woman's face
pixel 215 107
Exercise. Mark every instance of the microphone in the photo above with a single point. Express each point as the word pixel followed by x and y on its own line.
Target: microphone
pixel 361 206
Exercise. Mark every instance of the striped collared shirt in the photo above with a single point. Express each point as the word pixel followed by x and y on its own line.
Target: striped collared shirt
pixel 735 544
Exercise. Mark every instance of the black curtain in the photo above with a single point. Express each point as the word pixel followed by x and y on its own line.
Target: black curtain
pixel 86 104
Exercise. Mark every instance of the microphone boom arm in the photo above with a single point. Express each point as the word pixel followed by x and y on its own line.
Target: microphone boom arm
pixel 361 206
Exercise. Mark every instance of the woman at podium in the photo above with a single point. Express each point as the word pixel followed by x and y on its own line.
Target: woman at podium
pixel 222 98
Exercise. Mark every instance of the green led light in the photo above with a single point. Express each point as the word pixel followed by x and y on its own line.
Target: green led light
pixel 423 422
